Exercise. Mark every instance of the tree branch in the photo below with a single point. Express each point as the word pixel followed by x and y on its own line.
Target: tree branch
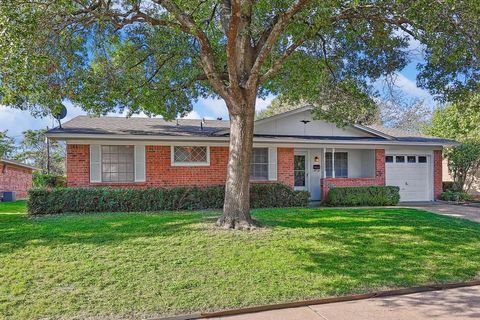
pixel 272 37
pixel 206 51
pixel 232 43
pixel 279 62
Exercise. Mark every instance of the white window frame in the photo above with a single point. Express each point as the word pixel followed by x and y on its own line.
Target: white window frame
pixel 188 164
pixel 253 179
pixel 134 166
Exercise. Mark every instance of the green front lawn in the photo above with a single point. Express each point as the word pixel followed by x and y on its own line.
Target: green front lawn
pixel 157 264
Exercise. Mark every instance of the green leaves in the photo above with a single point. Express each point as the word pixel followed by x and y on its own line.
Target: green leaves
pixel 459 121
pixel 7 145
pixel 140 56
pixel 463 163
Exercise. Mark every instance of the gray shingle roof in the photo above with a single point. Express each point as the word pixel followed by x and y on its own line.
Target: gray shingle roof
pixel 193 128
pixel 141 126
pixel 409 136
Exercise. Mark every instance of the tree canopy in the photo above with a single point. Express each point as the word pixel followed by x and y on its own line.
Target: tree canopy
pixel 7 145
pixel 33 150
pixel 459 121
pixel 160 56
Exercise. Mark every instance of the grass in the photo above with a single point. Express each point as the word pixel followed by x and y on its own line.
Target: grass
pixel 140 265
pixel 13 207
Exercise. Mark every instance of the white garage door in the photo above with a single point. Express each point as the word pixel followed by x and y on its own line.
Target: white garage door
pixel 412 174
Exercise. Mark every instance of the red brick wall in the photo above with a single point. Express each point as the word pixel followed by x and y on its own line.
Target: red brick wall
pixel 13 178
pixel 378 180
pixel 78 165
pixel 160 172
pixel 437 173
pixel 285 158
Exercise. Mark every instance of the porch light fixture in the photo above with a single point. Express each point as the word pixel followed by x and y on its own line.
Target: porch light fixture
pixel 316 159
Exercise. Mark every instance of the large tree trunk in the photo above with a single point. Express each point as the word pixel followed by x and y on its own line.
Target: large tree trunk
pixel 236 208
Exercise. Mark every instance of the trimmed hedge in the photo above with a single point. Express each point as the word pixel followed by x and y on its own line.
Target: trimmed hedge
pixel 82 200
pixel 455 196
pixel 364 196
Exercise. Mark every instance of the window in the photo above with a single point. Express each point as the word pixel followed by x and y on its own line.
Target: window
pixel 118 164
pixel 341 164
pixel 400 159
pixel 259 164
pixel 411 159
pixel 422 159
pixel 190 155
pixel 389 159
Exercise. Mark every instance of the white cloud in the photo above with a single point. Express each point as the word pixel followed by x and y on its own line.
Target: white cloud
pixel 410 88
pixel 16 121
pixel 192 115
pixel 215 108
pixel 264 103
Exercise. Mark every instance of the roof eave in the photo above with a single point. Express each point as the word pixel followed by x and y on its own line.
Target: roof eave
pixel 17 164
pixel 281 140
pixel 373 131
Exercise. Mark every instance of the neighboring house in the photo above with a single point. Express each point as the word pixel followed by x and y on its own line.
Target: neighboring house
pixel 474 188
pixel 15 177
pixel 290 148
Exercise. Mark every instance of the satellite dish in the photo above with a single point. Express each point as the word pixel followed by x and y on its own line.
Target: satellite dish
pixel 60 115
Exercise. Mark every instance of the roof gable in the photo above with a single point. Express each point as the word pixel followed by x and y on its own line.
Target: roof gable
pixel 299 122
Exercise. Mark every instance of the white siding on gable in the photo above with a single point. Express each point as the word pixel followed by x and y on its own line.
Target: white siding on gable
pixel 291 125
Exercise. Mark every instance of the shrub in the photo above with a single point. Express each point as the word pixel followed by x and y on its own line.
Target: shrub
pixel 61 200
pixel 455 196
pixel 44 180
pixel 364 196
pixel 447 185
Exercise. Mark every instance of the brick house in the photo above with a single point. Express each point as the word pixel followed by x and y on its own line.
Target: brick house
pixel 291 148
pixel 16 177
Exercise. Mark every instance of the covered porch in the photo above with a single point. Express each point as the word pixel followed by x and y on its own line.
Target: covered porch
pixel 320 168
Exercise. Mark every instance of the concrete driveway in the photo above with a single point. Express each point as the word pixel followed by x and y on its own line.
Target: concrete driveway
pixel 455 304
pixel 459 211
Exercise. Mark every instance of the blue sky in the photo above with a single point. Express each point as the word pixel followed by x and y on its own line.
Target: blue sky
pixel 16 121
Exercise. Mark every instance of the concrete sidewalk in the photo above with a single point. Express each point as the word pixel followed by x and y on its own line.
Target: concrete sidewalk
pixel 460 303
pixel 458 211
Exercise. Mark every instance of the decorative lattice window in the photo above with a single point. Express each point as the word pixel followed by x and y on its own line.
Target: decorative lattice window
pixel 118 164
pixel 186 155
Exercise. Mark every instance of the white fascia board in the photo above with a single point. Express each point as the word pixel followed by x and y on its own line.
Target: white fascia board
pixel 220 141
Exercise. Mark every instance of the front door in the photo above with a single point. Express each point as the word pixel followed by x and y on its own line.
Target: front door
pixel 300 171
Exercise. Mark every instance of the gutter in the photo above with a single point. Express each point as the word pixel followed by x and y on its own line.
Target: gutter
pixel 283 140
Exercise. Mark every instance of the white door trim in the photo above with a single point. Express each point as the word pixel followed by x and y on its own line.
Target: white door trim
pixel 307 168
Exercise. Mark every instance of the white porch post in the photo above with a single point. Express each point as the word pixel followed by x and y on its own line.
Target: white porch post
pixel 333 162
pixel 324 163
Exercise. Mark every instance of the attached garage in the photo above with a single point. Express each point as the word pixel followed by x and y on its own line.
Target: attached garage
pixel 412 173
